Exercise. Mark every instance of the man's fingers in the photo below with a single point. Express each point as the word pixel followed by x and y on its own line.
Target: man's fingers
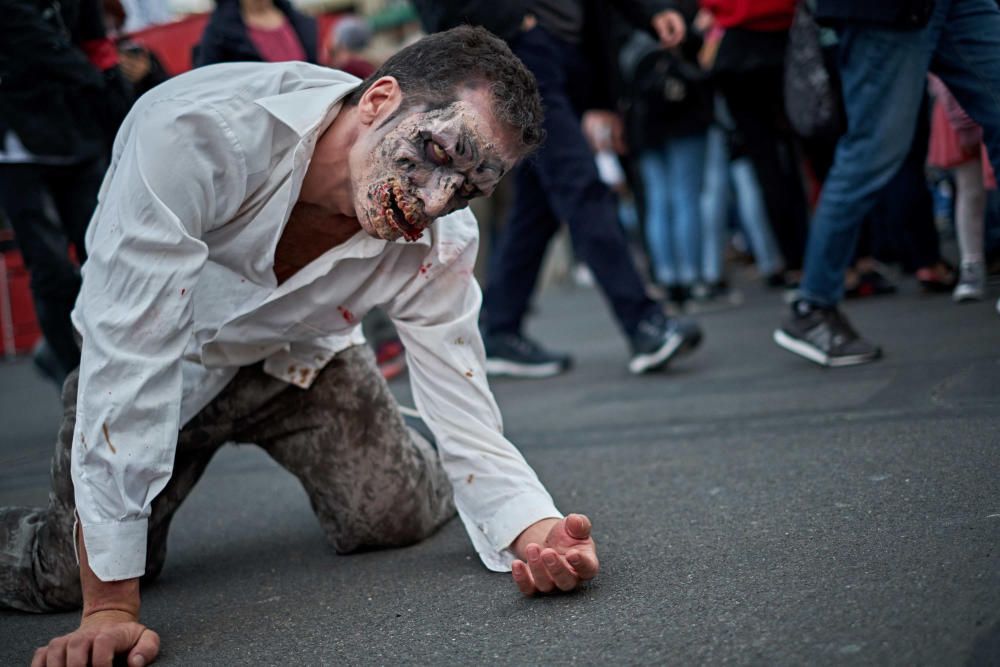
pixel 146 649
pixel 38 660
pixel 584 562
pixel 538 572
pixel 78 650
pixel 522 577
pixel 103 651
pixel 578 526
pixel 56 655
pixel 559 570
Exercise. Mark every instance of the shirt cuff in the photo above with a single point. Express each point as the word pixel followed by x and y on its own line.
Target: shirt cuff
pixel 492 538
pixel 116 551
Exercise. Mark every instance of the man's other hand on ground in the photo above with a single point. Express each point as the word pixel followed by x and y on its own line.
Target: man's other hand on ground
pixel 554 554
pixel 101 636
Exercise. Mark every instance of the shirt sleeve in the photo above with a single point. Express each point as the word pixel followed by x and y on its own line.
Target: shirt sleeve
pixel 177 169
pixel 497 494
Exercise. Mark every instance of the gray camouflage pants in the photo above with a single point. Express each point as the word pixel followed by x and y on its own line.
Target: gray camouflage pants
pixel 372 481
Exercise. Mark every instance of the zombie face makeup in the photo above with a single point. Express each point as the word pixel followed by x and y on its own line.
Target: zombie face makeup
pixel 424 164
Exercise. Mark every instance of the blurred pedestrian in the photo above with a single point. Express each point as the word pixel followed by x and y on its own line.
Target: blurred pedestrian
pixel 885 51
pixel 668 104
pixel 568 47
pixel 256 30
pixel 349 38
pixel 62 98
pixel 749 70
pixel 957 144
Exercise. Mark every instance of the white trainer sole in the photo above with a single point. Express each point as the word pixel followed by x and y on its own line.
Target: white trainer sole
pixel 644 362
pixel 812 354
pixel 503 367
pixel 967 294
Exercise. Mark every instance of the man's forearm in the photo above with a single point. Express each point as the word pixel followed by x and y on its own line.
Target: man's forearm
pixel 100 595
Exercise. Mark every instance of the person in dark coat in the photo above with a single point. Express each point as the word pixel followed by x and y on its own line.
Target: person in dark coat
pixel 256 30
pixel 567 45
pixel 62 98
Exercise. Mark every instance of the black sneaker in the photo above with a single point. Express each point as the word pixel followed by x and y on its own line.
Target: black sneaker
pixel 516 356
pixel 659 339
pixel 824 336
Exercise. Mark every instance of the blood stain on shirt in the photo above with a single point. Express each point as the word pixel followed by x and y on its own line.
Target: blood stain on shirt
pixel 107 438
pixel 424 268
pixel 183 291
pixel 470 479
pixel 346 314
pixel 469 374
pixel 291 370
pixel 304 374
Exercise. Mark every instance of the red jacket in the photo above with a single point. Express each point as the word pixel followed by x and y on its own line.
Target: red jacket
pixel 764 15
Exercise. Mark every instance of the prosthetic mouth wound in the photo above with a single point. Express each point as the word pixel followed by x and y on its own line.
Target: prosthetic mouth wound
pixel 397 217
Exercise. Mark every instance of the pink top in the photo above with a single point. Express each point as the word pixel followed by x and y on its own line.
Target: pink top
pixel 277 45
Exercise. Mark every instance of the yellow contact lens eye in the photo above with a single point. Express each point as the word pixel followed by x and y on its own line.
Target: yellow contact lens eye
pixel 438 152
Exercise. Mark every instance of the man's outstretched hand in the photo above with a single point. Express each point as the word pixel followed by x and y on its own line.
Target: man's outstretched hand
pixel 101 636
pixel 554 554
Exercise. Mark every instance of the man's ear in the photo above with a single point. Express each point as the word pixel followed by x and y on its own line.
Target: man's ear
pixel 381 99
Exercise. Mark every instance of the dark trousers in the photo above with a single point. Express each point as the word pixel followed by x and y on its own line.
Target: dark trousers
pixel 755 100
pixel 903 217
pixel 55 281
pixel 560 184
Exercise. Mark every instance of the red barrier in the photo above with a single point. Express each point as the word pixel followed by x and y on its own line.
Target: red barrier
pixel 172 42
pixel 18 325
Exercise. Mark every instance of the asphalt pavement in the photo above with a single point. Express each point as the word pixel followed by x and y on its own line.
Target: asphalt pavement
pixel 749 507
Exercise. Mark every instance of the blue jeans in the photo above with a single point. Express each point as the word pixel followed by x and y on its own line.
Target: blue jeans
pixel 560 184
pixel 673 175
pixel 726 183
pixel 883 77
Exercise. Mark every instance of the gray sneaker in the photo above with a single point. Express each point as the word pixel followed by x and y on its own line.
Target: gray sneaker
pixel 824 336
pixel 972 283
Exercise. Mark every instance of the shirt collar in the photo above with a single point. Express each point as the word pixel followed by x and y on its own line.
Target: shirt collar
pixel 304 109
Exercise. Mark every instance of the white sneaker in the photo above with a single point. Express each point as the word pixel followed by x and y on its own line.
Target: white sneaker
pixel 972 283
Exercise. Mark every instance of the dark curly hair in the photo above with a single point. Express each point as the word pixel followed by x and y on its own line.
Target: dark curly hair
pixel 431 72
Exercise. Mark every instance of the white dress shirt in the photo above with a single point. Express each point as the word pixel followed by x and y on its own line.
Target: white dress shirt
pixel 179 292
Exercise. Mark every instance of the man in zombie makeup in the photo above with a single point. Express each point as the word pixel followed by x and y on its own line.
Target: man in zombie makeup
pixel 252 214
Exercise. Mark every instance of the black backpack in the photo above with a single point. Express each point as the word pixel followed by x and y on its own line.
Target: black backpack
pixel 812 95
pixel 667 93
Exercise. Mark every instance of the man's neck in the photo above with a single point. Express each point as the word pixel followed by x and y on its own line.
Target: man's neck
pixel 327 182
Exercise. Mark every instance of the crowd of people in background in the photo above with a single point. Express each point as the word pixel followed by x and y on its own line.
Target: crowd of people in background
pixel 804 135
